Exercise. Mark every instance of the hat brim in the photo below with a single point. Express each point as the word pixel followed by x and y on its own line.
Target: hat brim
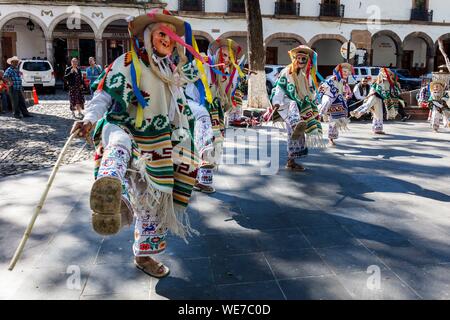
pixel 346 65
pixel 435 83
pixel 138 24
pixel 219 43
pixel 302 49
pixel 12 59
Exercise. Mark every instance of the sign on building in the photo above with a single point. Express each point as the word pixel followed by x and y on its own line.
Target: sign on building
pixel 345 47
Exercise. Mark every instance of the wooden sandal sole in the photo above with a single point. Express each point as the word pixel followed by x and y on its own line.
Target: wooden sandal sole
pixel 105 202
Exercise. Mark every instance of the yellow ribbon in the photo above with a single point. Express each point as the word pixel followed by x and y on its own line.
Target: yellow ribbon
pixel 140 109
pixel 231 52
pixel 137 68
pixel 201 70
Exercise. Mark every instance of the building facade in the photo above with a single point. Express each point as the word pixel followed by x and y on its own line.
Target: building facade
pixel 401 33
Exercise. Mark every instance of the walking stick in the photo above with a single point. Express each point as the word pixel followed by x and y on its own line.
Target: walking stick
pixel 38 209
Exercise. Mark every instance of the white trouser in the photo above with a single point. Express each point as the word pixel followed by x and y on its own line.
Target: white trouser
pixel 114 135
pixel 148 238
pixel 436 117
pixel 374 105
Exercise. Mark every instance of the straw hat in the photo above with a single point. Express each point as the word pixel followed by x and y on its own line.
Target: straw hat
pixel 138 24
pixel 438 82
pixel 385 72
pixel 15 58
pixel 220 43
pixel 301 49
pixel 345 65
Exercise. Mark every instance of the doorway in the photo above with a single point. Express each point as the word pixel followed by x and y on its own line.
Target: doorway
pixel 86 50
pixel 60 57
pixel 272 55
pixel 7 47
pixel 407 59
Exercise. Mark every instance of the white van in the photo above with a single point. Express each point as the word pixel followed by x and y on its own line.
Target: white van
pixel 38 73
pixel 362 72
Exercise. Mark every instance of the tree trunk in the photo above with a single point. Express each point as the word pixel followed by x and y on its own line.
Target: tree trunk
pixel 441 48
pixel 257 93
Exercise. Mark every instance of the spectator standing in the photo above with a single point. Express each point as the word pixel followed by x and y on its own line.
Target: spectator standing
pixel 16 91
pixel 75 81
pixel 92 72
pixel 3 93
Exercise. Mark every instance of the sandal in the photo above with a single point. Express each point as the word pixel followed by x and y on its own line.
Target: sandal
pixel 205 189
pixel 295 167
pixel 331 143
pixel 152 268
pixel 105 202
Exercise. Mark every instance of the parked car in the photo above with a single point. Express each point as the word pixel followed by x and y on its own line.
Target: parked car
pixel 272 73
pixel 407 81
pixel 37 73
pixel 362 72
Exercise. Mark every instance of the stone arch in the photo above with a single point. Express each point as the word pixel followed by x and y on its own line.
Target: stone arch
pixel 319 37
pixel 397 41
pixel 84 18
pixel 22 14
pixel 431 48
pixel 203 34
pixel 230 34
pixel 390 34
pixel 328 48
pixel 424 37
pixel 444 37
pixel 284 35
pixel 108 20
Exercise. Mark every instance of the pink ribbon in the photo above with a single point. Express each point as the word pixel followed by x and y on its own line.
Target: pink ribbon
pixel 177 39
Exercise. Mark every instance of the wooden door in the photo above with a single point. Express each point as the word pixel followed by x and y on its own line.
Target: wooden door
pixel 7 50
pixel 272 55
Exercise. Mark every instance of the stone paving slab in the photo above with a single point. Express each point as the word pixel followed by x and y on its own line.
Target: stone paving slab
pixel 371 203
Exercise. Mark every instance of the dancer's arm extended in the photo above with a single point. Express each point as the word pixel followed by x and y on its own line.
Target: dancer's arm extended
pixel 95 110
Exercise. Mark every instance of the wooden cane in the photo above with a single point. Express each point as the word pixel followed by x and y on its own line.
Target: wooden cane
pixel 38 209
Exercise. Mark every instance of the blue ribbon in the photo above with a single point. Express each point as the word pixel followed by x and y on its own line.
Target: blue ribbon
pixel 136 90
pixel 188 37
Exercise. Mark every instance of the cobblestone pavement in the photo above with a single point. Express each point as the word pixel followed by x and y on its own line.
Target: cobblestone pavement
pixel 35 143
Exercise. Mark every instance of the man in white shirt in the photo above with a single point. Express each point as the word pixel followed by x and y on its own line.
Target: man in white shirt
pixel 362 89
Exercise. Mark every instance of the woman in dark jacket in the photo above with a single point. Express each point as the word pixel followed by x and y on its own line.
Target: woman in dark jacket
pixel 74 79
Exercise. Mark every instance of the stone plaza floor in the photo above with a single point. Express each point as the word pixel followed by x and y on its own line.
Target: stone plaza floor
pixel 369 219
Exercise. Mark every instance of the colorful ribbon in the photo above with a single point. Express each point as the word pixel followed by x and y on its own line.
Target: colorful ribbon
pixel 203 77
pixel 233 61
pixel 102 82
pixel 135 70
pixel 180 41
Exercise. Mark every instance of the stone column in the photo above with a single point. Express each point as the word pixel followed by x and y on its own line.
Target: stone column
pixel 49 51
pixel 99 52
